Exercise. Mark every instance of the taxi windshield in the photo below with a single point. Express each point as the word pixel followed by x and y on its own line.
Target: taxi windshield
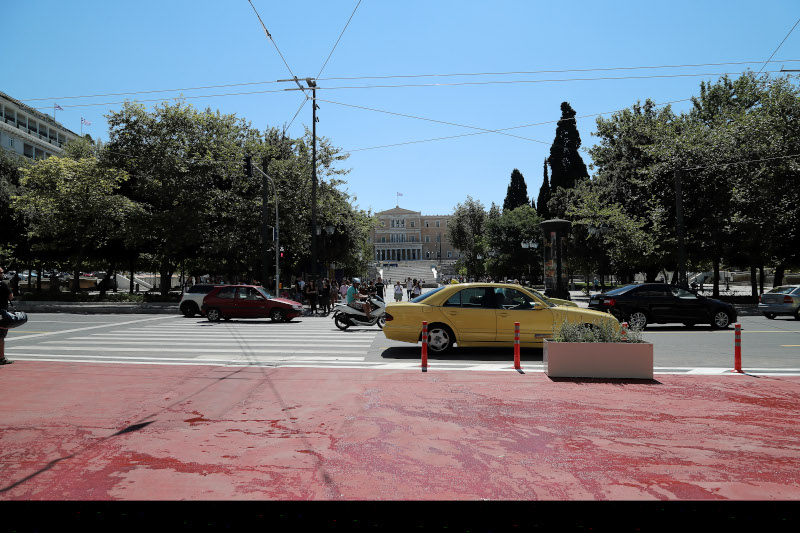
pixel 428 294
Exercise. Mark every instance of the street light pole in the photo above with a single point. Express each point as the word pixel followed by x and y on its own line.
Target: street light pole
pixel 276 236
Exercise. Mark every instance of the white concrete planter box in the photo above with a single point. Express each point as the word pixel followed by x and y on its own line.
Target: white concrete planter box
pixel 598 359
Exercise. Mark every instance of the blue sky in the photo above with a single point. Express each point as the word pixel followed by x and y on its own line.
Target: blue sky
pixel 91 47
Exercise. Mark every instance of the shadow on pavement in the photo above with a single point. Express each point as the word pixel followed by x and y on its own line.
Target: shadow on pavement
pixel 612 381
pixel 499 355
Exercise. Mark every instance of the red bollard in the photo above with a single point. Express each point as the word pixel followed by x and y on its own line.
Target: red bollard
pixel 424 344
pixel 516 347
pixel 737 350
pixel 624 335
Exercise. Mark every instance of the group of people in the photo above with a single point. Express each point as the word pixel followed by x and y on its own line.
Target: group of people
pixel 319 294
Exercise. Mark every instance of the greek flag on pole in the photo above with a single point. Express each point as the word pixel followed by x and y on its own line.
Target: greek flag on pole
pixel 58 107
pixel 84 121
pixel 399 194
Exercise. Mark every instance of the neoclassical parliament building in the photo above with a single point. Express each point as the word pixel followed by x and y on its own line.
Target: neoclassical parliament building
pixel 404 235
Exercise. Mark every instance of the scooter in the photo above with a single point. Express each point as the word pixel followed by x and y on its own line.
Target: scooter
pixel 345 316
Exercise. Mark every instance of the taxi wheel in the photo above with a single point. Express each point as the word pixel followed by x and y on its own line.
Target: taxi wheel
pixel 440 339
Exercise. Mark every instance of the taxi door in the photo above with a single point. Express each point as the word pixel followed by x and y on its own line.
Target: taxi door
pixel 471 313
pixel 515 306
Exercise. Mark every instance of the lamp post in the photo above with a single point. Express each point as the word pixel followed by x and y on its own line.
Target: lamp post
pixel 329 229
pixel 554 230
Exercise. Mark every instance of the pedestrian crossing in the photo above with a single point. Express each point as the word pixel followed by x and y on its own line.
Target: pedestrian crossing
pixel 176 341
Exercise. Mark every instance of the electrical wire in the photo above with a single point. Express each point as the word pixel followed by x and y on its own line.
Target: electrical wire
pixel 432 120
pixel 506 129
pixel 340 37
pixel 779 46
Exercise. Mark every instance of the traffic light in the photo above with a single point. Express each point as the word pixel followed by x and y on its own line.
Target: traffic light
pixel 248 166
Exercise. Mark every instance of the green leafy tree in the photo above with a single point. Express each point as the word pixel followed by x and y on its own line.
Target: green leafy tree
pixel 517 193
pixel 466 232
pixel 505 234
pixel 74 205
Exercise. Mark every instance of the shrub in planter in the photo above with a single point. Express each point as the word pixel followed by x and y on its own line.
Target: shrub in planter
pixel 597 351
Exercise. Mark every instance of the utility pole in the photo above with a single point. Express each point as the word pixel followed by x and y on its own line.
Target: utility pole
pixel 312 84
pixel 682 281
pixel 314 264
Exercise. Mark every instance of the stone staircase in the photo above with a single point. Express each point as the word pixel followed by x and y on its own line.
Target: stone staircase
pixel 409 269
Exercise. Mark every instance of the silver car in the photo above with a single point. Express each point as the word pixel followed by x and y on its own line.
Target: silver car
pixel 784 300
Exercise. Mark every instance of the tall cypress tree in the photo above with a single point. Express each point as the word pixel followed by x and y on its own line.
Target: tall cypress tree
pixel 544 195
pixel 517 193
pixel 566 164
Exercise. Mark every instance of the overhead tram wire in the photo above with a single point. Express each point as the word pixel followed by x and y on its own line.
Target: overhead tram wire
pixel 410 76
pixel 779 46
pixel 323 67
pixel 339 39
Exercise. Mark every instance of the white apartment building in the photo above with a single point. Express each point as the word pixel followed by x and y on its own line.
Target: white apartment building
pixel 29 132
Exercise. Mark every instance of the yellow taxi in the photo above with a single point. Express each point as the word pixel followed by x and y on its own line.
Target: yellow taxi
pixel 481 314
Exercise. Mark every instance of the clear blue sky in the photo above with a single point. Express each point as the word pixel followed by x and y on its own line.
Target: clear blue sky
pixel 87 47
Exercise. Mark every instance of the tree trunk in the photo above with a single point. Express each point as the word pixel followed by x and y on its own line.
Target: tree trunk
pixel 675 277
pixel 753 279
pixel 761 278
pixel 778 281
pixel 715 292
pixel 133 268
pixel 39 278
pixel 650 274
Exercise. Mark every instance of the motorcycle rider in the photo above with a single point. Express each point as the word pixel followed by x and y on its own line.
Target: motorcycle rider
pixel 357 300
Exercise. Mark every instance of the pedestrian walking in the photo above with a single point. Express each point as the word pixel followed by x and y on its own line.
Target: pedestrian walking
pixel 325 296
pixel 379 286
pixel 311 295
pixel 409 286
pixel 416 290
pixel 334 292
pixel 343 288
pixel 6 295
pixel 298 289
pixel 398 292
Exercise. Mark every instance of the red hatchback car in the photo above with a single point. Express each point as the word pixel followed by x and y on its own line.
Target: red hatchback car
pixel 248 301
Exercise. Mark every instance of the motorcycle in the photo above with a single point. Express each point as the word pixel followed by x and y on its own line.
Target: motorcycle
pixel 345 316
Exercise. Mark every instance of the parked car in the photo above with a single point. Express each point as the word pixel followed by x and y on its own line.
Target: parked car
pixel 481 314
pixel 556 301
pixel 192 299
pixel 784 300
pixel 248 301
pixel 660 303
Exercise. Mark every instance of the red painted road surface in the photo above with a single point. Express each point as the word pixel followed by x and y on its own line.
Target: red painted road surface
pixel 79 431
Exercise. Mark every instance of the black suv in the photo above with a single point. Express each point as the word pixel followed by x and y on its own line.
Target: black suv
pixel 660 303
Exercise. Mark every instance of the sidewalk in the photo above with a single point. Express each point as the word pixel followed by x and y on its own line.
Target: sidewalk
pixel 90 308
pixel 80 431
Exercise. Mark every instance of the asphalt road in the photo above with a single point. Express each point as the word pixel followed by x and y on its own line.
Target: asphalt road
pixel 767 345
